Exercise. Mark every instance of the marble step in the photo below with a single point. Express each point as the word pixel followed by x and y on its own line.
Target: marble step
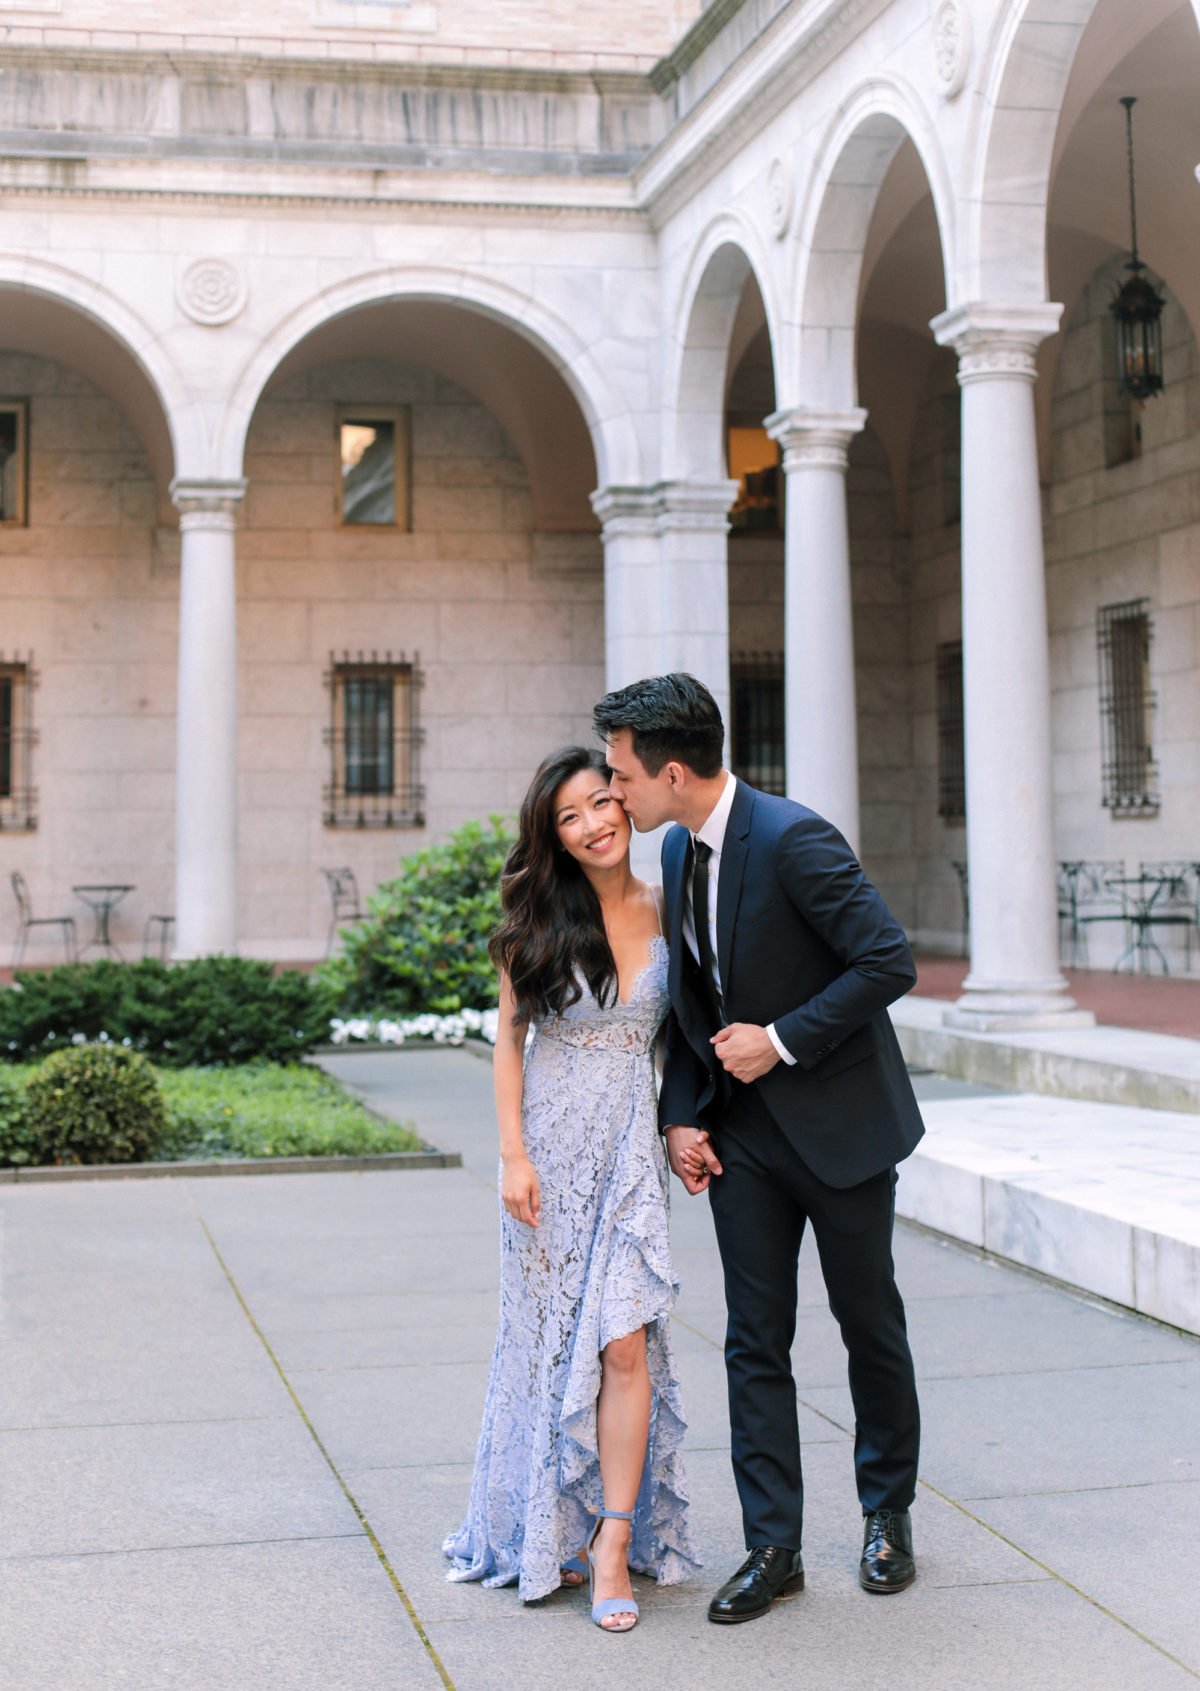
pixel 1152 1071
pixel 1104 1197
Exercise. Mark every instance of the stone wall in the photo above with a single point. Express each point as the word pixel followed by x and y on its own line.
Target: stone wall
pixel 934 618
pixel 91 589
pixel 508 626
pixel 1119 530
pixel 509 629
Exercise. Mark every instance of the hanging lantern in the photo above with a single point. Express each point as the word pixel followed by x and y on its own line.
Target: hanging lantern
pixel 1137 307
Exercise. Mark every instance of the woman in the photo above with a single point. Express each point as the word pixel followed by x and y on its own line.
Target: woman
pixel 582 1423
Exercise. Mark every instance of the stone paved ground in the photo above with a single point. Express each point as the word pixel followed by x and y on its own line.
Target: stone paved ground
pixel 237 1416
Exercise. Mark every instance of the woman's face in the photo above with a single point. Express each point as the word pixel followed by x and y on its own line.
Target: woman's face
pixel 590 824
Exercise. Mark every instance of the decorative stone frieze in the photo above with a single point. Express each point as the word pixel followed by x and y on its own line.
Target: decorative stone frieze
pixel 819 438
pixel 996 342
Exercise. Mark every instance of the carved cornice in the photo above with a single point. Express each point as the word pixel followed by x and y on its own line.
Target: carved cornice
pixel 815 439
pixel 758 83
pixel 371 199
pixel 996 342
pixel 707 27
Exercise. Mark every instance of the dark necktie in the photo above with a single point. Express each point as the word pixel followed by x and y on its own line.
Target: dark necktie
pixel 708 985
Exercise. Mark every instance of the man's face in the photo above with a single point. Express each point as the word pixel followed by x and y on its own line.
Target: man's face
pixel 648 800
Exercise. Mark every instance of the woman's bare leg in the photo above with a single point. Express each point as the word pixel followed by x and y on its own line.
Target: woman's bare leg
pixel 622 1432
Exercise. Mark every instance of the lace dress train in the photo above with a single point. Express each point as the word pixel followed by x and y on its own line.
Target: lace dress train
pixel 597 1267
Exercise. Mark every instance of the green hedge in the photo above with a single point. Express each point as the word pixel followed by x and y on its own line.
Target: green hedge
pixel 423 946
pixel 211 1011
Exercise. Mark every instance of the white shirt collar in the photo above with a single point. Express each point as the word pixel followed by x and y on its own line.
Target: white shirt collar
pixel 713 831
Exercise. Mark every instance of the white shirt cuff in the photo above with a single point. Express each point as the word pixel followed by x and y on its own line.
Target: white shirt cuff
pixel 779 1045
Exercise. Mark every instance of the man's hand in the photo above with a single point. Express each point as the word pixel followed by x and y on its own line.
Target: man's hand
pixel 745 1051
pixel 692 1157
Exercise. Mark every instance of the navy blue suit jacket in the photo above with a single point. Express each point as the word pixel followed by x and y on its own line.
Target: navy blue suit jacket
pixel 806 942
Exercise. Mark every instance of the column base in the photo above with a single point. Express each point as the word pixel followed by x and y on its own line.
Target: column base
pixel 1016 1007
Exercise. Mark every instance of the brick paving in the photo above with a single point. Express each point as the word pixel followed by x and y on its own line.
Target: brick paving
pixel 1151 1003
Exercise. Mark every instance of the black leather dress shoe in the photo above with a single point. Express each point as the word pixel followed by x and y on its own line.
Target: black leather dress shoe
pixel 887 1559
pixel 767 1573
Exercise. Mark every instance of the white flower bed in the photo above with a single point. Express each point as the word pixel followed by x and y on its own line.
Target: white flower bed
pixel 405 1030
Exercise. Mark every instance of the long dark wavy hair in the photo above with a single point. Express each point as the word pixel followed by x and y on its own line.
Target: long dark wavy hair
pixel 553 927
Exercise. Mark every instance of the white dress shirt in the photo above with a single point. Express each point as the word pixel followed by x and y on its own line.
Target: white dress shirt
pixel 712 833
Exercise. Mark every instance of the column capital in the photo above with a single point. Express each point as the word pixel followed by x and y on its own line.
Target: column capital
pixel 820 438
pixel 665 505
pixel 996 342
pixel 207 504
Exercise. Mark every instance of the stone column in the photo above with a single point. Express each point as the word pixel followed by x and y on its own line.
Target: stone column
pixel 666 581
pixel 632 588
pixel 693 527
pixel 666 593
pixel 821 706
pixel 206 759
pixel 1014 980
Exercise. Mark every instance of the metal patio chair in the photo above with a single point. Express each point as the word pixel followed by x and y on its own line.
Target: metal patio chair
pixel 27 920
pixel 343 895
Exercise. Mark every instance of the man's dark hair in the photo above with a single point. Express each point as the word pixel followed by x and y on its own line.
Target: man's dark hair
pixel 673 719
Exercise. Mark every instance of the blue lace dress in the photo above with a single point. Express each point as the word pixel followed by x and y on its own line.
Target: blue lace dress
pixel 598 1267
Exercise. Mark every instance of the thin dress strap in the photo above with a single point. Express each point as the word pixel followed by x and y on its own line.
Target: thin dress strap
pixel 656 893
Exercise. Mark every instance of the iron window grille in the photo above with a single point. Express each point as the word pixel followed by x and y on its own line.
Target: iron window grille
pixel 1129 772
pixel 374 738
pixel 952 760
pixel 758 733
pixel 14 463
pixel 18 796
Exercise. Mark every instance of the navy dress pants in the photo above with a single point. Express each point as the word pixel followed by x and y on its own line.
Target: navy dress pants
pixel 760 1205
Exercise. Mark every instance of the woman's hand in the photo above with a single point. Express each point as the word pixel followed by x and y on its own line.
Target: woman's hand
pixel 520 1191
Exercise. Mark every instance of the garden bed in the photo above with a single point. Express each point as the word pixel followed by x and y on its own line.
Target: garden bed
pixel 251 1118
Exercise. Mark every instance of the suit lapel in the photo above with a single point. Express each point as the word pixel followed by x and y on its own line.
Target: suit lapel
pixel 734 852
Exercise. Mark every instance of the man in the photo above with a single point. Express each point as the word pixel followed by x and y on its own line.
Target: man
pixel 785 1097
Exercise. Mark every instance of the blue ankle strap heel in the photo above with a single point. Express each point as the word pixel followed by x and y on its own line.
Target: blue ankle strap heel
pixel 609 1605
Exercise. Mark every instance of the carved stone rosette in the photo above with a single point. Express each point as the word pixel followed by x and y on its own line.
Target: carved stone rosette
pixel 779 197
pixel 211 291
pixel 951 47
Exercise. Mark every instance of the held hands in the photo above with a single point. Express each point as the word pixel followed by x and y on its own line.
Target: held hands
pixel 745 1051
pixel 519 1190
pixel 692 1157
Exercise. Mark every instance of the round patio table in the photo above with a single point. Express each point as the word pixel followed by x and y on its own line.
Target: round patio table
pixel 102 900
pixel 1140 893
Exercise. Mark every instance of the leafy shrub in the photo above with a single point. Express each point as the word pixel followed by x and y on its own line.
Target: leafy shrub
pixel 265 1110
pixel 211 1010
pixel 96 1104
pixel 424 944
pixel 18 1140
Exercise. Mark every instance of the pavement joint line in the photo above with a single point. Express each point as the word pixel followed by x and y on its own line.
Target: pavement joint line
pixel 161 1549
pixel 1061 1578
pixel 1077 1491
pixel 407 1602
pixel 100 1426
